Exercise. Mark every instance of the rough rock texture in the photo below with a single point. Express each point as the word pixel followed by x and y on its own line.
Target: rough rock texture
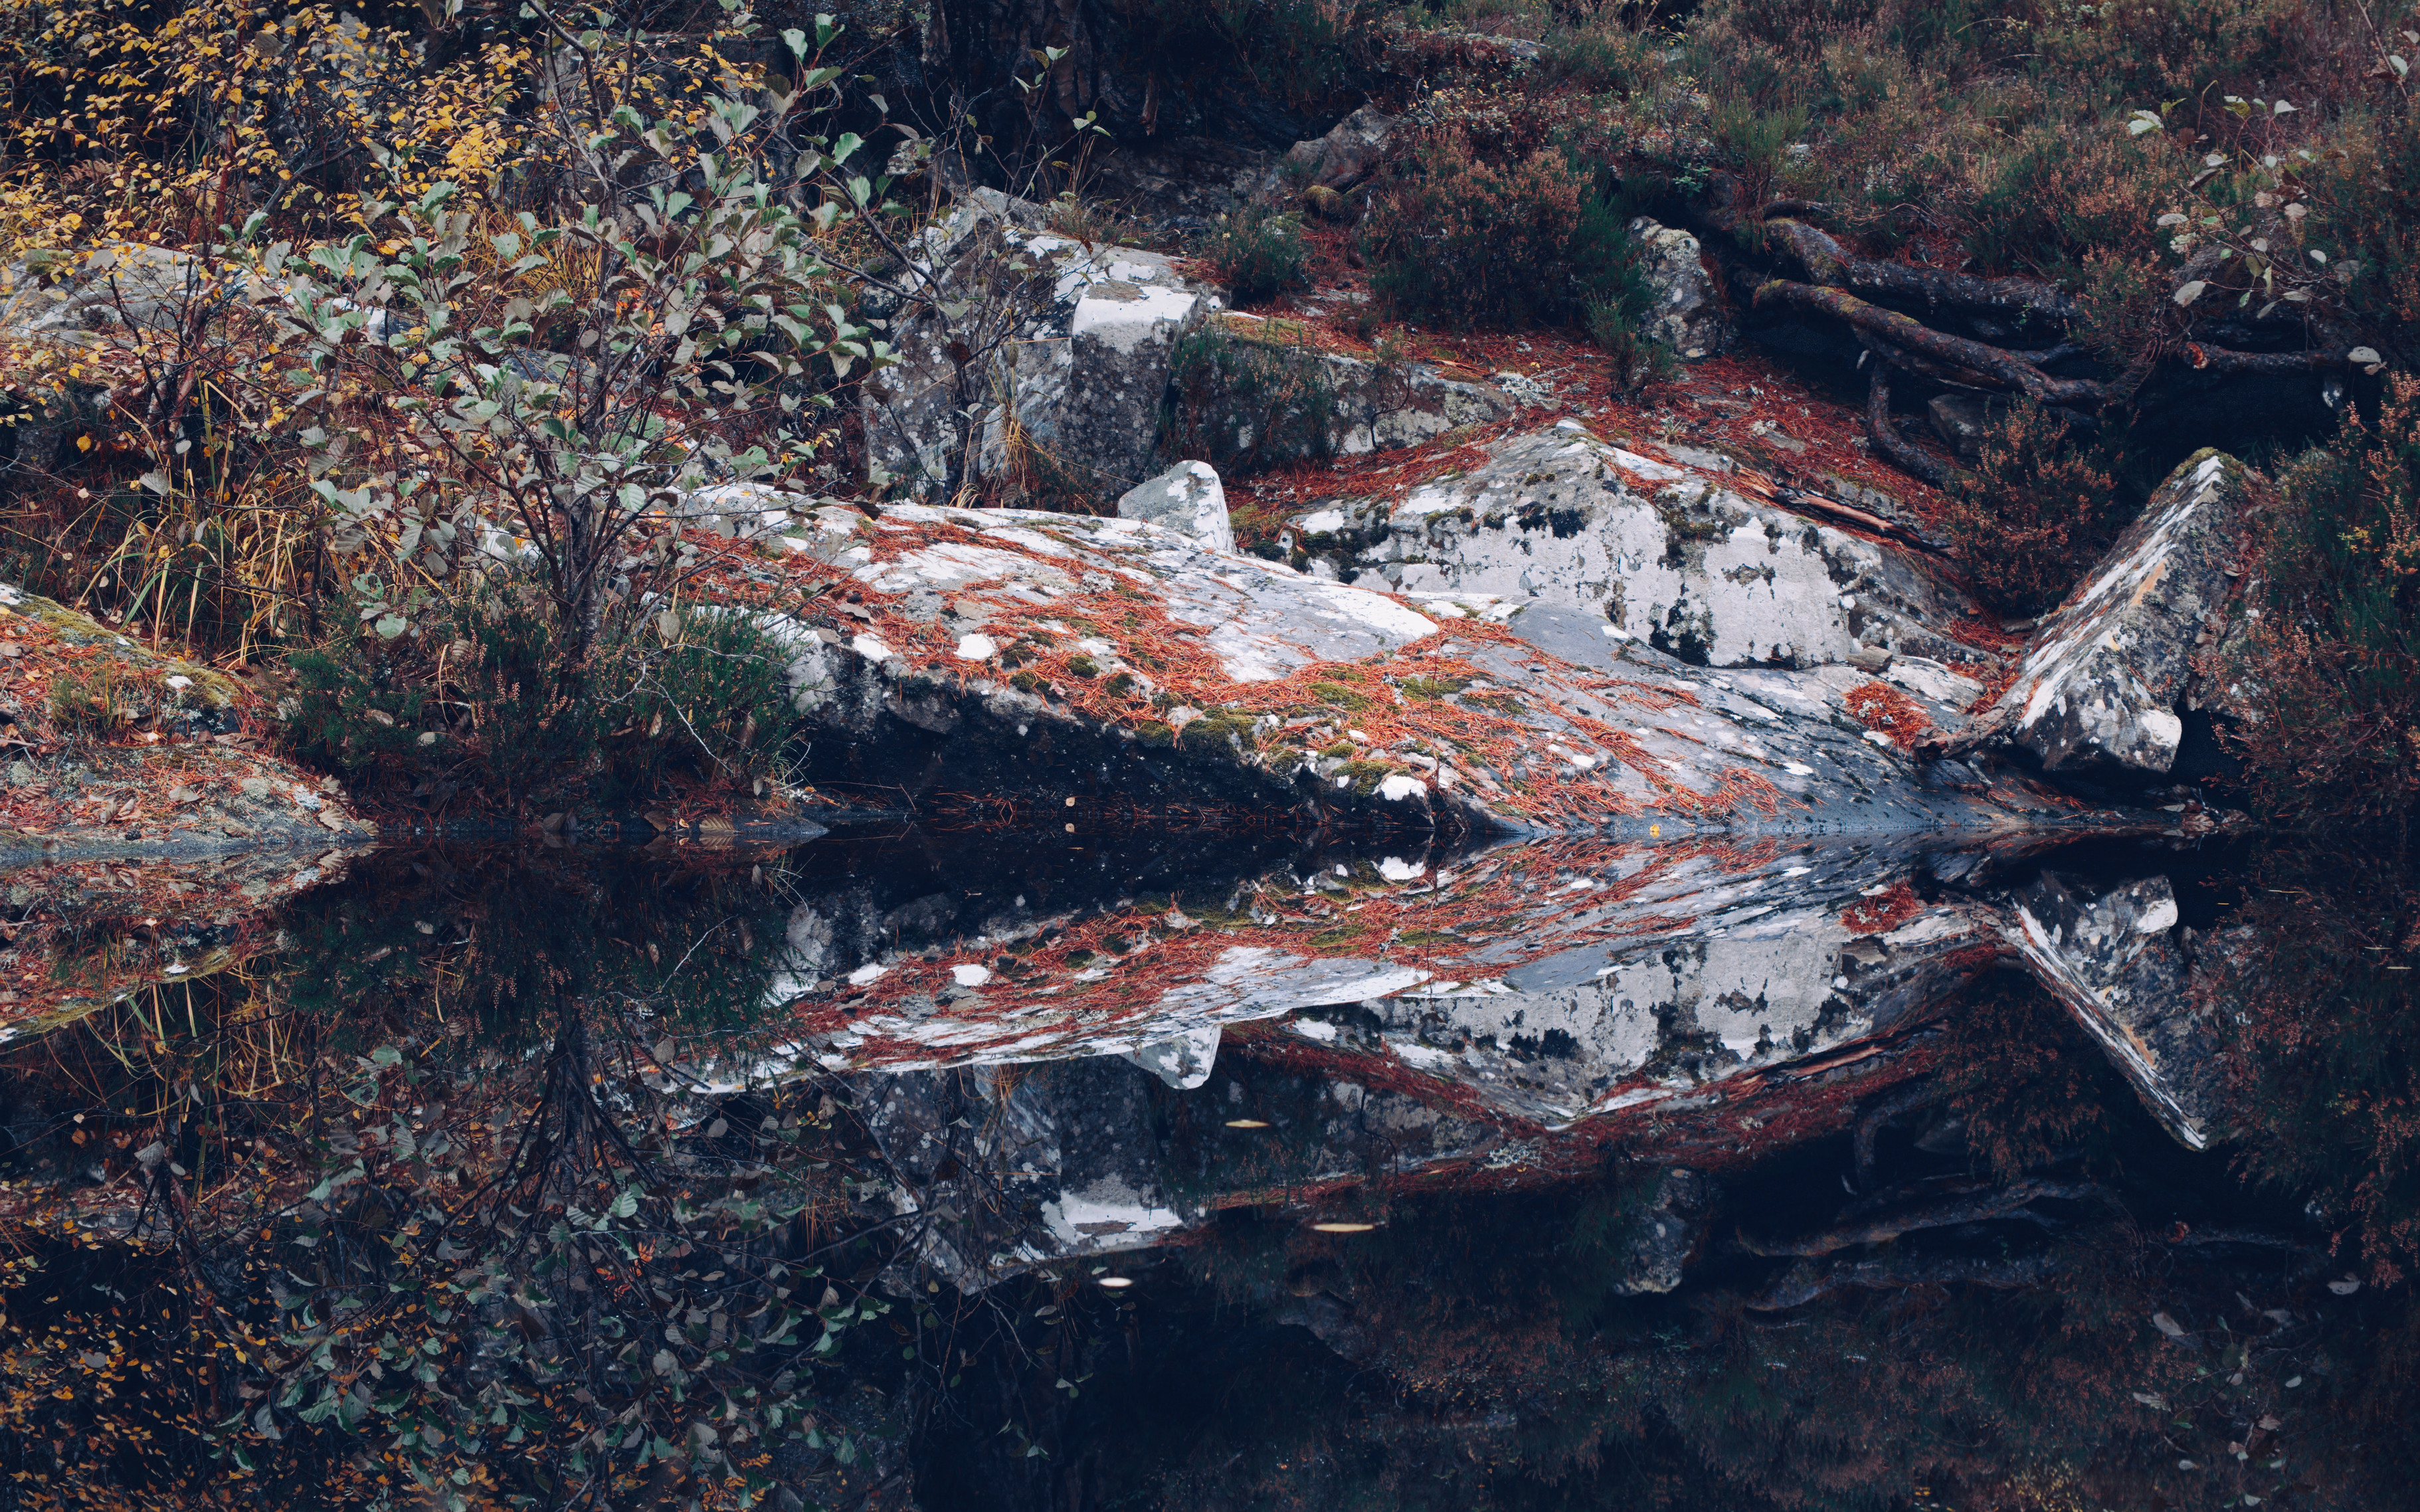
pixel 1165 669
pixel 1671 552
pixel 2101 684
pixel 142 286
pixel 1688 315
pixel 1343 158
pixel 1179 185
pixel 1087 334
pixel 2114 960
pixel 116 750
pixel 1187 499
pixel 1252 393
pixel 88 933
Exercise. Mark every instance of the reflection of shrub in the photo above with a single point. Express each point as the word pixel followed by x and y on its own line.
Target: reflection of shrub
pixel 2333 675
pixel 1258 252
pixel 1462 239
pixel 2033 516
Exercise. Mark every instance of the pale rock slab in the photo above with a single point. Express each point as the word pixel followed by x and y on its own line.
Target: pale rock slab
pixel 1668 552
pixel 1187 499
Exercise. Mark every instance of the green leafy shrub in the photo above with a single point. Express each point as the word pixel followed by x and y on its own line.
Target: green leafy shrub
pixel 1258 254
pixel 1464 241
pixel 484 681
pixel 2033 515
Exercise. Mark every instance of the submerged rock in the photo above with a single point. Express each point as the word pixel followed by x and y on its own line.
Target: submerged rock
pixel 2102 683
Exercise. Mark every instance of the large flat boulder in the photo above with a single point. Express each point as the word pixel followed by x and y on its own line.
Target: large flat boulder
pixel 2102 683
pixel 994 649
pixel 1684 551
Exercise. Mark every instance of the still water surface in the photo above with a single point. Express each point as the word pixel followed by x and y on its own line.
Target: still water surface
pixel 1017 1170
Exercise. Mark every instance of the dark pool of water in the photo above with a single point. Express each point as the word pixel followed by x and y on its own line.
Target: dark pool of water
pixel 1028 1169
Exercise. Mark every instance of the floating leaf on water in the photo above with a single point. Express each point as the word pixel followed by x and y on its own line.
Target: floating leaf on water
pixel 1117 1283
pixel 2152 1399
pixel 1341 1228
pixel 1246 1123
pixel 2344 1287
pixel 2168 1325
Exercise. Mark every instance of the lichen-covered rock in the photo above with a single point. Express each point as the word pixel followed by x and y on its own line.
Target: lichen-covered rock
pixel 1677 552
pixel 118 749
pixel 1187 499
pixel 2101 684
pixel 1251 392
pixel 1344 157
pixel 1688 314
pixel 1079 335
pixel 1031 640
pixel 2113 960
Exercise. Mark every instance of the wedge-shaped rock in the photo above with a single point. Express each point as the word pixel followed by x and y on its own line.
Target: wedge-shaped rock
pixel 2113 960
pixel 2101 684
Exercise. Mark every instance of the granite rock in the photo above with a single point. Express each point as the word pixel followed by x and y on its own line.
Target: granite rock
pixel 2102 680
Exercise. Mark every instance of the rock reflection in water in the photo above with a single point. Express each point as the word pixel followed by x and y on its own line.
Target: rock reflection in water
pixel 1542 1175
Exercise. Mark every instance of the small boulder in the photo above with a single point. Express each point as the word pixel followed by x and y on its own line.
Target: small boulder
pixel 1345 155
pixel 1688 315
pixel 1187 499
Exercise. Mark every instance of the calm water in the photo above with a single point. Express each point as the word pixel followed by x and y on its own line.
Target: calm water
pixel 991 1169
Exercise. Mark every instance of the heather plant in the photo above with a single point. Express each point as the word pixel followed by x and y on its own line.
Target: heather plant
pixel 1258 254
pixel 1462 239
pixel 2035 512
pixel 2331 670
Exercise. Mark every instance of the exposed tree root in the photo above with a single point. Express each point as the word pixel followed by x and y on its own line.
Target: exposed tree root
pixel 1995 366
pixel 1827 262
pixel 1894 449
pixel 1966 1210
pixel 1807 1281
